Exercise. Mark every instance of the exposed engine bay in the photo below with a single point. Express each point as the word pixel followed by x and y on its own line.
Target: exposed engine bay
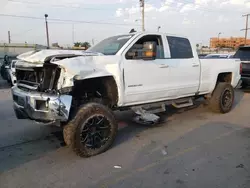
pixel 42 79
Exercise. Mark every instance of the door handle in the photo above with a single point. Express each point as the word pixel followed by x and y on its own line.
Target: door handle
pixel 195 65
pixel 164 66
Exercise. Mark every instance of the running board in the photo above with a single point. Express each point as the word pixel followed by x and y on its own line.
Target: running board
pixel 151 108
pixel 146 114
pixel 182 103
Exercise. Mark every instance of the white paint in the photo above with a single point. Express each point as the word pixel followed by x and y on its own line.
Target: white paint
pixel 140 81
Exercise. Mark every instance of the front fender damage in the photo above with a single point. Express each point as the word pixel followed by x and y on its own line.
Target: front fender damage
pixel 78 68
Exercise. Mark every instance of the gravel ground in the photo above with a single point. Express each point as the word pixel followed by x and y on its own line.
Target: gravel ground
pixel 192 148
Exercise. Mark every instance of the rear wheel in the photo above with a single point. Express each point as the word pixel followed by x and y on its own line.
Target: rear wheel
pixel 222 98
pixel 92 131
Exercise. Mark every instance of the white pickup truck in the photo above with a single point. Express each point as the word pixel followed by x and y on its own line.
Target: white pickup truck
pixel 139 71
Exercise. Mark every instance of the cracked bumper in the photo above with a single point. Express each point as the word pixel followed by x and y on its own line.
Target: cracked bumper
pixel 40 106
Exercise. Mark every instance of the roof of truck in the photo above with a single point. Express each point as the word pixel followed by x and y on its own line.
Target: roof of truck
pixel 161 33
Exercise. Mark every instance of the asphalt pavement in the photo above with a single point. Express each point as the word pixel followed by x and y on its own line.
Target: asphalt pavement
pixel 191 148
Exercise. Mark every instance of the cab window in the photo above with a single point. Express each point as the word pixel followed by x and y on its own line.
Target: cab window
pixel 137 48
pixel 180 48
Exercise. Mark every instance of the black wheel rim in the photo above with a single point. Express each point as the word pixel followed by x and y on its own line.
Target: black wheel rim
pixel 227 98
pixel 95 132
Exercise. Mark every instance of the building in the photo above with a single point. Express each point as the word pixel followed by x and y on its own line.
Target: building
pixel 232 42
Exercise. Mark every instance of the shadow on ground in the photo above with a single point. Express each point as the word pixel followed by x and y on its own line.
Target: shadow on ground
pixel 30 142
pixel 27 142
pixel 213 155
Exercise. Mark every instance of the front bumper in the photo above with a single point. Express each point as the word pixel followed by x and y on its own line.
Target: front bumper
pixel 41 106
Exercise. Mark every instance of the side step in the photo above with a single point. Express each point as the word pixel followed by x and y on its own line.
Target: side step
pixel 182 103
pixel 146 114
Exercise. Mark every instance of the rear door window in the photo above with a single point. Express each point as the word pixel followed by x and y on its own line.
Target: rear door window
pixel 180 48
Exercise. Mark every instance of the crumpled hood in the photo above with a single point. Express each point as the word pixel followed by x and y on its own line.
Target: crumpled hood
pixel 39 56
pixel 82 67
pixel 85 65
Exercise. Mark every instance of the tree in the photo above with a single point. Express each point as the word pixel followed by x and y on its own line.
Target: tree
pixel 86 45
pixel 77 44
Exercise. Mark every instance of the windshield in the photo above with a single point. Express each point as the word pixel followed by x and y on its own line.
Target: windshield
pixel 110 46
pixel 243 54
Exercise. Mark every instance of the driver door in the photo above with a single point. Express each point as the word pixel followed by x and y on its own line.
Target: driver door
pixel 145 80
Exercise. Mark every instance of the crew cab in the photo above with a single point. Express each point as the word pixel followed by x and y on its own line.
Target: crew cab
pixel 144 72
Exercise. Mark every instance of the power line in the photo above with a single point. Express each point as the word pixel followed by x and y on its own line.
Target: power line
pixel 58 6
pixel 62 20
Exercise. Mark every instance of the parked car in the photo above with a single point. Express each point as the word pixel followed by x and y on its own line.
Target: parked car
pixel 5 66
pixel 139 71
pixel 243 53
pixel 218 56
pixel 12 73
pixel 202 56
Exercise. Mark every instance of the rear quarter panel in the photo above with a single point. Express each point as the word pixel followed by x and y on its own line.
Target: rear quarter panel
pixel 211 68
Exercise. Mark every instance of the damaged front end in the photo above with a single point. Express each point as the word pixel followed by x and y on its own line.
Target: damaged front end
pixel 38 95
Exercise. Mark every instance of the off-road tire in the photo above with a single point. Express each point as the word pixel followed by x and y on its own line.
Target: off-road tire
pixel 215 103
pixel 72 130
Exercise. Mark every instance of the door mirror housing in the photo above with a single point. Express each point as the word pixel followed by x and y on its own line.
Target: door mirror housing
pixel 149 50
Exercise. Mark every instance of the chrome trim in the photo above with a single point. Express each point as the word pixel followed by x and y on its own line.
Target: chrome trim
pixel 58 107
pixel 27 86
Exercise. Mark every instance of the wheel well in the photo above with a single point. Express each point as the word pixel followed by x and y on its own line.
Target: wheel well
pixel 104 88
pixel 225 77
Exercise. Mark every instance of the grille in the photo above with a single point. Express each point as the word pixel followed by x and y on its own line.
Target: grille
pixel 40 79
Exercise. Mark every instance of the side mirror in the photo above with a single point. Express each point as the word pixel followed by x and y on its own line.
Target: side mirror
pixel 149 50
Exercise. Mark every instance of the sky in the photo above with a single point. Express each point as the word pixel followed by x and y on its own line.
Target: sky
pixel 197 19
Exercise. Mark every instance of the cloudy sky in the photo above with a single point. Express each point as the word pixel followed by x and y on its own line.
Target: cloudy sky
pixel 197 19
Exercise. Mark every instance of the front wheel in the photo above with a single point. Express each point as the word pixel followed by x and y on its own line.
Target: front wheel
pixel 222 98
pixel 92 131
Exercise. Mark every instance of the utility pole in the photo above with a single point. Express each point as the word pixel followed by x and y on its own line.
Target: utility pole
pixel 246 29
pixel 9 37
pixel 142 5
pixel 219 38
pixel 47 30
pixel 73 34
pixel 158 29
